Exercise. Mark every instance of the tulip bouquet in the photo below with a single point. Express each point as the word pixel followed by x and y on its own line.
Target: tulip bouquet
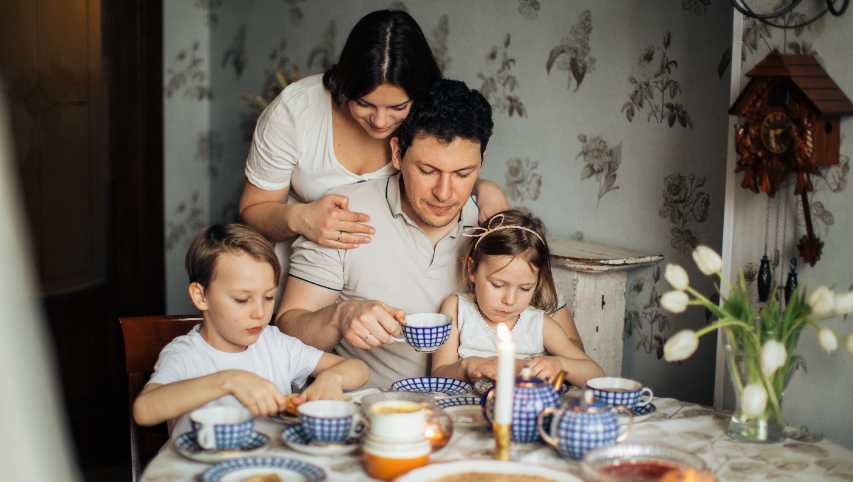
pixel 760 355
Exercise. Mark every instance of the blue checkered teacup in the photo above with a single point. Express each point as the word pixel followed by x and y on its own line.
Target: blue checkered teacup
pixel 222 428
pixel 331 421
pixel 616 391
pixel 426 331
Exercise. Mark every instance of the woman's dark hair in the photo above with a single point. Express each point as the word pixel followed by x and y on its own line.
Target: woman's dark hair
pixel 386 46
pixel 510 240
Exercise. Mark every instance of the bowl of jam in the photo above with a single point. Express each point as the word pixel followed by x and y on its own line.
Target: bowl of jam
pixel 643 463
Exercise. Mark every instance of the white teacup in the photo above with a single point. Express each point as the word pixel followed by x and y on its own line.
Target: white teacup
pixel 397 421
pixel 331 421
pixel 616 391
pixel 222 428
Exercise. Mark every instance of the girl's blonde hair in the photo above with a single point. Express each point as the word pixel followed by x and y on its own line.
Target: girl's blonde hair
pixel 513 233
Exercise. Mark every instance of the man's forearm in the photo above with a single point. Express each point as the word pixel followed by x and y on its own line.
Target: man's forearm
pixel 319 329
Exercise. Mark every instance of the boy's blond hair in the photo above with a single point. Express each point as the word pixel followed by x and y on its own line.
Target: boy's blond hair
pixel 216 239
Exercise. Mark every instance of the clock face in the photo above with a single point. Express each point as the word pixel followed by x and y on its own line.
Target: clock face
pixel 776 132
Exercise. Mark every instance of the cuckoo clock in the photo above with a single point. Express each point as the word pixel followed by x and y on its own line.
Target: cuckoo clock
pixel 791 109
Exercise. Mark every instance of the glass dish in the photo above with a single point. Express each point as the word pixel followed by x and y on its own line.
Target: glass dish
pixel 638 463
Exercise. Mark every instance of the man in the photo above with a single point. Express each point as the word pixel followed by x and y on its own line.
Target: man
pixel 330 300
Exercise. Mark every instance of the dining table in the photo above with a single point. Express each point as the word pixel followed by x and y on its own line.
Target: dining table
pixel 697 429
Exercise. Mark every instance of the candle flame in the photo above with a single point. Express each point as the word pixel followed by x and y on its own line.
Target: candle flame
pixel 503 332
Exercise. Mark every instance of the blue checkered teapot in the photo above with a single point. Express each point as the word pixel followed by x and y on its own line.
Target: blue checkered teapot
pixel 532 395
pixel 582 426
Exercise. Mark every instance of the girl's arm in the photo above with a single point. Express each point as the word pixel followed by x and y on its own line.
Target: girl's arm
pixel 490 199
pixel 445 361
pixel 158 403
pixel 565 355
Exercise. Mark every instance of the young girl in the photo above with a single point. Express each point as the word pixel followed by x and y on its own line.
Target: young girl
pixel 506 275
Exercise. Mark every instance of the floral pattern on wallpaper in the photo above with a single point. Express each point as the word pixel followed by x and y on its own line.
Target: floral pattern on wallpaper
pixel 324 52
pixel 521 182
pixel 656 78
pixel 438 45
pixel 757 34
pixel 650 322
pixel 696 7
pixel 499 84
pixel 529 8
pixel 295 14
pixel 209 148
pixel 833 181
pixel 209 7
pixel 572 55
pixel 187 76
pixel 184 221
pixel 601 161
pixel 684 203
pixel 235 57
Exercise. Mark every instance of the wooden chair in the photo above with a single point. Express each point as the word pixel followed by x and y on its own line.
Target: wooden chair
pixel 144 338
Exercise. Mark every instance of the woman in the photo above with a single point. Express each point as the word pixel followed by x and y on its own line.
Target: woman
pixel 320 134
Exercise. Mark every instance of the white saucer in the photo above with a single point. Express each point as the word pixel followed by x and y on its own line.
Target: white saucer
pixel 640 413
pixel 464 411
pixel 188 447
pixel 295 438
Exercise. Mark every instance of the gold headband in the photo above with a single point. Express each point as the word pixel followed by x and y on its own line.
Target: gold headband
pixel 489 229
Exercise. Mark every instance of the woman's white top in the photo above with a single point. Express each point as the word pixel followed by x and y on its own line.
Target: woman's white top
pixel 477 338
pixel 293 146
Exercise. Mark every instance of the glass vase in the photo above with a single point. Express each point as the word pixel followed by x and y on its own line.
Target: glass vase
pixel 769 427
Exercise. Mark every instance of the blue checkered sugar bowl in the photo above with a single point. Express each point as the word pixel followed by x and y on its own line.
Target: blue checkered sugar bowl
pixel 582 426
pixel 532 395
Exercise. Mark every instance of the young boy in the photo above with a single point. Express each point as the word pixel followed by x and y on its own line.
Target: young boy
pixel 234 357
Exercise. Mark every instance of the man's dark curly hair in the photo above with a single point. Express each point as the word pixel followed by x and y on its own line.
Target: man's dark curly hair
pixel 450 111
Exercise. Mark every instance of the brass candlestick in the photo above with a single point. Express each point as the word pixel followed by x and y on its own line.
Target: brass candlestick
pixel 501 432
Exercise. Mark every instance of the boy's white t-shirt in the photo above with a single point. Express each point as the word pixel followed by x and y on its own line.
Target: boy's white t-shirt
pixel 279 358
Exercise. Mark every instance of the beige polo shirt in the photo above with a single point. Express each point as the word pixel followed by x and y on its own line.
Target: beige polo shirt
pixel 398 267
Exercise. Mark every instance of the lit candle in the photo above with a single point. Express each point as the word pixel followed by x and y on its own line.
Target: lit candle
pixel 505 384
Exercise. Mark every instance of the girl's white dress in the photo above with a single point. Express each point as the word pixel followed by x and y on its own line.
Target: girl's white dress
pixel 476 338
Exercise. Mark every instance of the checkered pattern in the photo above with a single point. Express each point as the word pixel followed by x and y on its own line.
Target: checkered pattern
pixel 528 404
pixel 187 442
pixel 217 472
pixel 483 385
pixel 614 399
pixel 229 436
pixel 326 430
pixel 457 401
pixel 446 386
pixel 295 434
pixel 581 432
pixel 426 339
pixel 644 410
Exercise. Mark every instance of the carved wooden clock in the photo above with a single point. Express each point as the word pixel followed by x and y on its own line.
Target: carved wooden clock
pixel 791 110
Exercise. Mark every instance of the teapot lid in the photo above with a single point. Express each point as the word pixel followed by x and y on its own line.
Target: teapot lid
pixel 527 381
pixel 588 403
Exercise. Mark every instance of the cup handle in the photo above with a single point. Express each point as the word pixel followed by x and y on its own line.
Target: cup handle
pixel 645 391
pixel 205 437
pixel 402 338
pixel 623 408
pixel 359 426
pixel 486 413
pixel 546 436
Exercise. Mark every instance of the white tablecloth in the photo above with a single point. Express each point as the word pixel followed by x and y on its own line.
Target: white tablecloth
pixel 686 426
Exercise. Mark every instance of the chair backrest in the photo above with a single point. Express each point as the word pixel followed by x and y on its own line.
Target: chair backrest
pixel 144 338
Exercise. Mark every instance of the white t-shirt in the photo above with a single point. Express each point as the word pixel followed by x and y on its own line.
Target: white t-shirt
pixel 279 358
pixel 293 146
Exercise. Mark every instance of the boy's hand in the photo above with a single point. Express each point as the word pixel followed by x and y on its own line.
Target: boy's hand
pixel 259 395
pixel 544 367
pixel 327 386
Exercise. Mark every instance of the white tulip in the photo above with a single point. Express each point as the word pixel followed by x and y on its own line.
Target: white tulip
pixel 821 300
pixel 827 339
pixel 680 346
pixel 674 301
pixel 848 342
pixel 708 261
pixel 676 276
pixel 844 303
pixel 754 399
pixel 773 356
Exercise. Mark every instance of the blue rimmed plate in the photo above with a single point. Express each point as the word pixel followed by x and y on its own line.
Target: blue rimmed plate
pixel 434 385
pixel 464 411
pixel 238 470
pixel 188 446
pixel 295 438
pixel 640 413
pixel 483 385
